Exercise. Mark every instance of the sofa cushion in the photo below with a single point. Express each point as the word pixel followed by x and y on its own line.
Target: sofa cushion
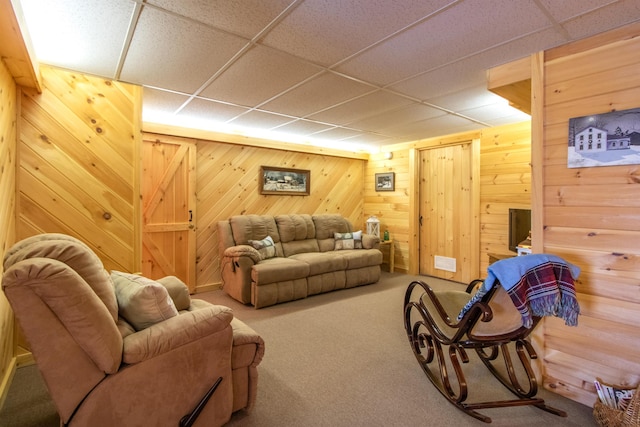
pixel 253 227
pixel 322 262
pixel 327 224
pixel 359 258
pixel 278 270
pixel 178 291
pixel 142 302
pixel 265 247
pixel 295 227
pixel 344 241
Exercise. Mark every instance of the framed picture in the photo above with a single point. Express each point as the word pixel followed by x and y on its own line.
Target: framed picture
pixel 282 181
pixel 606 139
pixel 385 181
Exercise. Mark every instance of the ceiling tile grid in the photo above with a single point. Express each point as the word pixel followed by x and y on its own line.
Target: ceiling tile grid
pixel 364 73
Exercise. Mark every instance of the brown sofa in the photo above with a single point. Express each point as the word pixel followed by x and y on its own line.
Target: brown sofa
pixel 267 260
pixel 120 349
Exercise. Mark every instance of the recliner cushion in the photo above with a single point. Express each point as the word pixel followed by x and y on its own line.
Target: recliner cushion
pixel 141 301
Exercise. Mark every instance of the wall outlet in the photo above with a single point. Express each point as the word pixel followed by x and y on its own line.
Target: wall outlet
pixel 445 263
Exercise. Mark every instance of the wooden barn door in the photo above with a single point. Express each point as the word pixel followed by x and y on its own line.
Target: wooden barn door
pixel 449 233
pixel 168 209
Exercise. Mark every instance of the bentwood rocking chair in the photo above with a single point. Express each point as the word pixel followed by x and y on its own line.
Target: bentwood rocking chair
pixel 443 325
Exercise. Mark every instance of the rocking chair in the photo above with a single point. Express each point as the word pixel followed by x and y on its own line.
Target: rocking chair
pixel 443 325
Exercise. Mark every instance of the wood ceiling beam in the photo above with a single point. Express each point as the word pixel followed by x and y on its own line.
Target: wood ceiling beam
pixel 512 81
pixel 15 46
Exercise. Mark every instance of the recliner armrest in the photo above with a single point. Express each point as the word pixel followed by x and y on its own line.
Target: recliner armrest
pixel 175 332
pixel 243 251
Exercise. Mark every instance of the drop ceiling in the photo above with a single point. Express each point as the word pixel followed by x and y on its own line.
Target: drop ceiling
pixel 351 74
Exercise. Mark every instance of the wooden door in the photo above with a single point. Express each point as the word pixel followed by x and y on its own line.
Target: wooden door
pixel 168 209
pixel 448 238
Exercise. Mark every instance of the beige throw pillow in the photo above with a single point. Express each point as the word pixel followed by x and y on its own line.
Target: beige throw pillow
pixel 142 302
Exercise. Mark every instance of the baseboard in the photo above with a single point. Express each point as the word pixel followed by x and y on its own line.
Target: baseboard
pixel 209 287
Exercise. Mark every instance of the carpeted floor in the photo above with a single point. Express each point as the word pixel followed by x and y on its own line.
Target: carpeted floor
pixel 336 359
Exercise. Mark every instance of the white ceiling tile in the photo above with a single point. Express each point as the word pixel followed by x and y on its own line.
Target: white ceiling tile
pixel 185 61
pixel 209 111
pixel 156 102
pixel 389 119
pixel 326 32
pixel 421 48
pixel 319 93
pixel 495 111
pixel 368 105
pixel 259 75
pixel 245 18
pixel 260 120
pixel 337 133
pixel 55 25
pixel 302 127
pixel 568 9
pixel 612 16
pixel 466 99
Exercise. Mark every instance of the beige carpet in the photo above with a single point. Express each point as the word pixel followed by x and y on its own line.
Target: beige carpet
pixel 343 359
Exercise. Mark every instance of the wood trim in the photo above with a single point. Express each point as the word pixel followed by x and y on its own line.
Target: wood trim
pixel 414 213
pixel 537 152
pixel 228 138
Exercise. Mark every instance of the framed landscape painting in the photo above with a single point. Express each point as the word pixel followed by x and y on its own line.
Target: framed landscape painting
pixel 283 181
pixel 385 181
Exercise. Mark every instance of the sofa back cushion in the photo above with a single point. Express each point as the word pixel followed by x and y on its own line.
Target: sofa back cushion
pixel 326 226
pixel 254 227
pixel 297 234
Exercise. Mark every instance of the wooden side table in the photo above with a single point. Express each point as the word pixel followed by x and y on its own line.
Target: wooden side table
pixel 391 261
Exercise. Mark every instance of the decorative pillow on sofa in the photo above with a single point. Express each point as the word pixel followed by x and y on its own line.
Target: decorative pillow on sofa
pixel 344 241
pixel 357 239
pixel 142 302
pixel 266 247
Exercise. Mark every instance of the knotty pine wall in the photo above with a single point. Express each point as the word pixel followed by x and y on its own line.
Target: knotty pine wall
pixel 591 217
pixel 8 118
pixel 505 174
pixel 227 184
pixel 78 155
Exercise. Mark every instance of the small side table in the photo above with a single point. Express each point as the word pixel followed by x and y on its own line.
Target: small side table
pixel 391 253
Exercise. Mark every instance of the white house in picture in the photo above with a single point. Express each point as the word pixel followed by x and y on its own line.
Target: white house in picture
pixel 595 140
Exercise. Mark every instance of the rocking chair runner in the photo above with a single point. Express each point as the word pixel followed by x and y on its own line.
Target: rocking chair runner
pixel 448 323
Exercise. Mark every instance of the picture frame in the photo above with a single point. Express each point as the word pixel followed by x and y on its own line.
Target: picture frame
pixel 284 181
pixel 385 181
pixel 606 139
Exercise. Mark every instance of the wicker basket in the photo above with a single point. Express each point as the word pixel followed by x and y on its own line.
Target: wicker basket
pixel 611 417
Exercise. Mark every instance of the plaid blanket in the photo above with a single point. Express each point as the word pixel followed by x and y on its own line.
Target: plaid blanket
pixel 546 290
pixel 538 284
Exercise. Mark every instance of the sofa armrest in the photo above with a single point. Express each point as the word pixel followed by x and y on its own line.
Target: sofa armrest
pixel 369 241
pixel 235 271
pixel 175 332
pixel 243 250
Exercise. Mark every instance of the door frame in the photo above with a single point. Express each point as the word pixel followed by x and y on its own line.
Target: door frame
pixel 414 200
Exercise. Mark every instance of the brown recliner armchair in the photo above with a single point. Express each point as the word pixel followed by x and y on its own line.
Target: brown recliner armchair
pixel 177 361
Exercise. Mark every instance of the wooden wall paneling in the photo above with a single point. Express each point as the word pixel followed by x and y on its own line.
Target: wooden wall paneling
pixel 8 137
pixel 591 218
pixel 505 182
pixel 78 153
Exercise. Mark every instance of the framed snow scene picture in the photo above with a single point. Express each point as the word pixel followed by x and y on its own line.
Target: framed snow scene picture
pixel 605 139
